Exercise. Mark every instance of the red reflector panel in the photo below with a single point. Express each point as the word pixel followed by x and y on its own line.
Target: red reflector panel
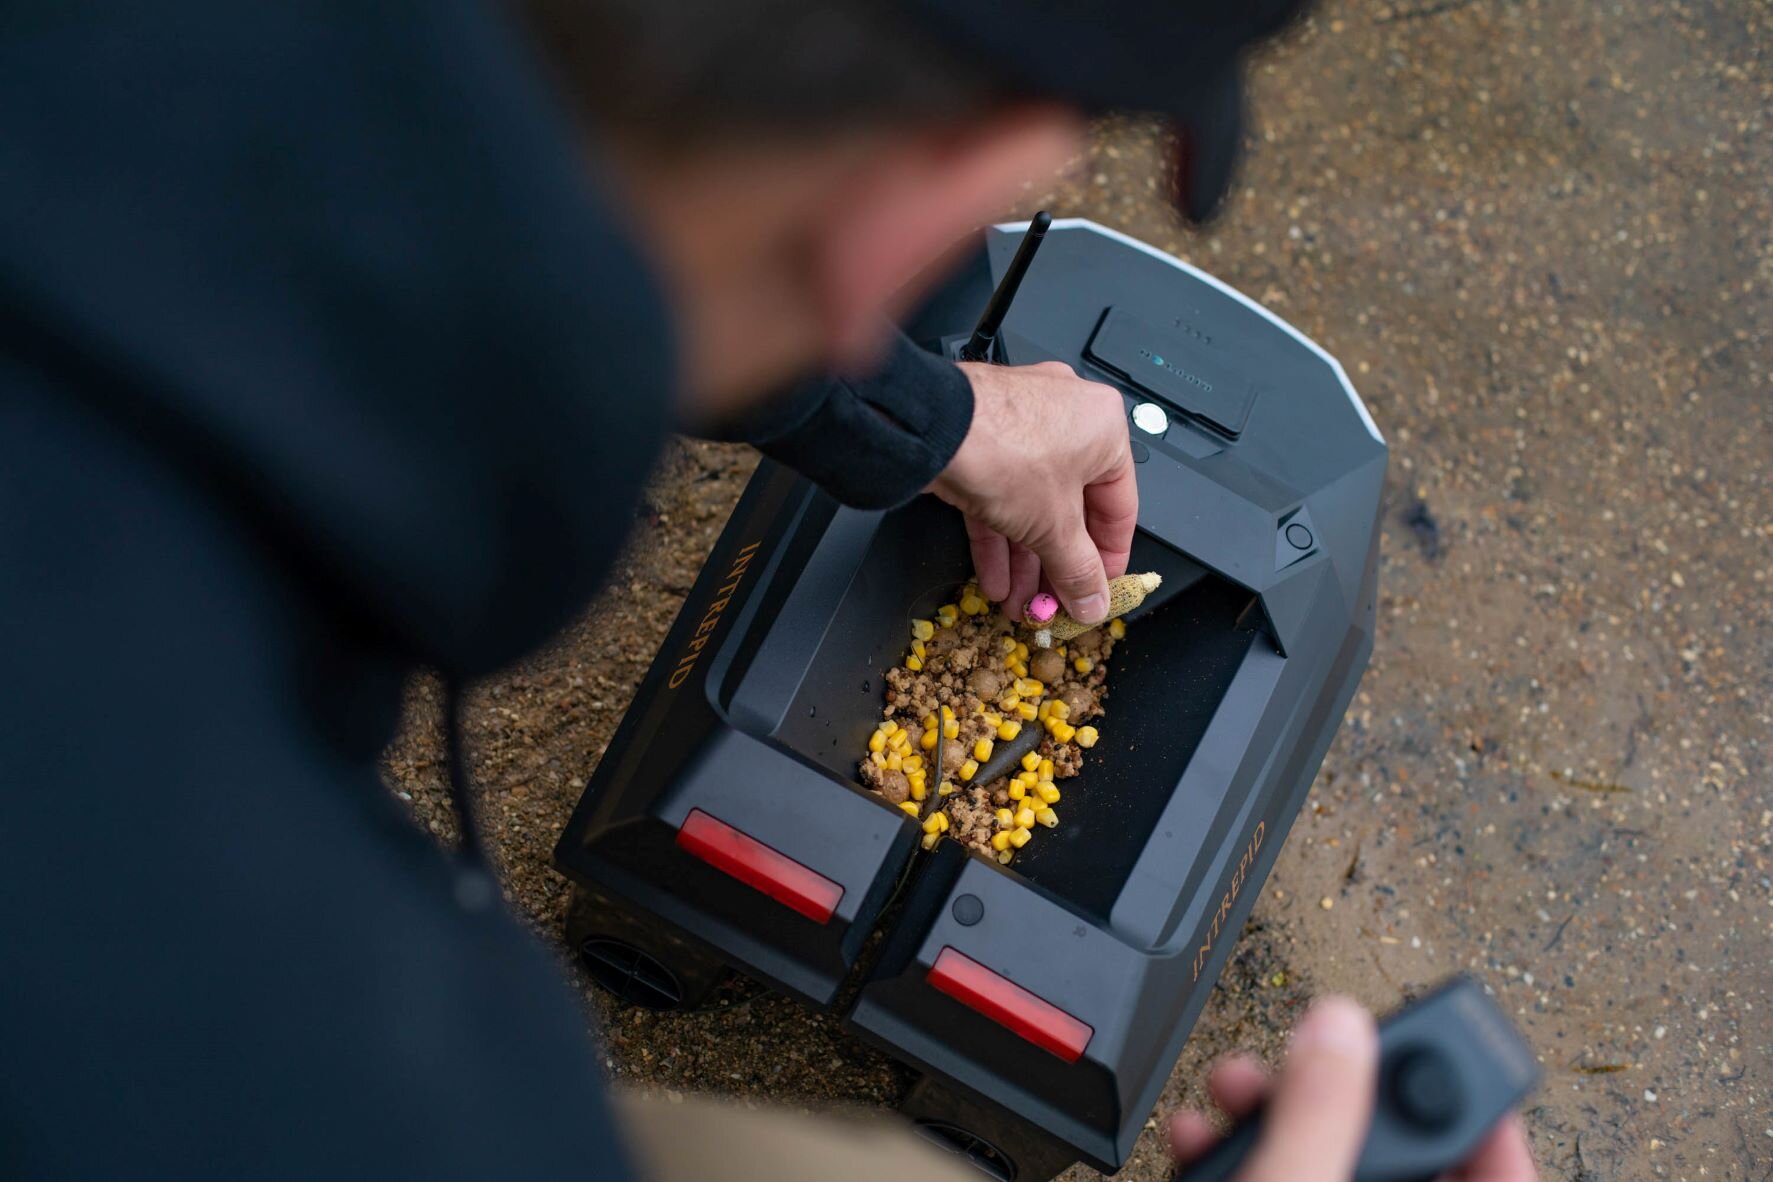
pixel 1008 1004
pixel 757 865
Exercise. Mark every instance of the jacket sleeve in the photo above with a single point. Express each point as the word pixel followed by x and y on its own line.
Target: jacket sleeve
pixel 872 442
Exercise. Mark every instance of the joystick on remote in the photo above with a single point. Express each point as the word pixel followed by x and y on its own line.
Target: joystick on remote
pixel 1451 1066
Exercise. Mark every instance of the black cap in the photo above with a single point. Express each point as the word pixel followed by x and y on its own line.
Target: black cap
pixel 1179 60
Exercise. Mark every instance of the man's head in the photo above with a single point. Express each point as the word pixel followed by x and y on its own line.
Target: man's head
pixel 800 168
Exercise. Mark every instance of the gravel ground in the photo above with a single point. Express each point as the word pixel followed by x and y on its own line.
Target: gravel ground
pixel 1537 235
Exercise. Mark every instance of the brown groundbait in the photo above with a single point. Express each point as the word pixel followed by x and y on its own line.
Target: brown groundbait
pixel 972 685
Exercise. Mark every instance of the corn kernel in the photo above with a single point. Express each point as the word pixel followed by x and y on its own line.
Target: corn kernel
pixel 1087 736
pixel 1007 643
pixel 1027 711
pixel 1025 817
pixel 1047 791
pixel 1009 702
pixel 879 758
pixel 1064 732
pixel 918 648
pixel 969 769
pixel 1006 819
pixel 928 742
pixel 982 750
pixel 930 840
pixel 1047 817
pixel 918 791
pixel 931 825
pixel 1017 790
pixel 972 605
pixel 1009 662
pixel 1045 770
pixel 914 663
pixel 945 788
pixel 922 630
pixel 992 718
pixel 888 727
pixel 951 728
pixel 1061 709
pixel 1008 729
pixel 1030 687
pixel 943 817
pixel 1031 761
pixel 1000 840
pixel 899 740
pixel 894 762
pixel 1004 858
pixel 1117 629
pixel 905 806
pixel 914 763
pixel 1021 651
pixel 948 609
pixel 1019 837
pixel 948 712
pixel 1020 669
pixel 1082 665
pixel 877 741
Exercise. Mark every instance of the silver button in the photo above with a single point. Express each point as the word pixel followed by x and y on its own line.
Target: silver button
pixel 1151 418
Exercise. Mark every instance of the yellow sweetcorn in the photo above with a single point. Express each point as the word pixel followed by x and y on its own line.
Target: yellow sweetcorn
pixel 928 742
pixel 1027 711
pixel 951 728
pixel 950 614
pixel 913 763
pixel 1087 736
pixel 1009 662
pixel 930 840
pixel 914 663
pixel 1006 819
pixel 922 630
pixel 1030 687
pixel 969 769
pixel 1083 665
pixel 943 819
pixel 1064 732
pixel 879 758
pixel 948 712
pixel 1047 791
pixel 900 740
pixel 1009 702
pixel 1020 668
pixel 918 791
pixel 1017 790
pixel 893 762
pixel 877 742
pixel 1025 818
pixel 1117 629
pixel 1007 643
pixel 1021 651
pixel 931 825
pixel 1000 841
pixel 888 727
pixel 945 788
pixel 1008 730
pixel 1047 817
pixel 1019 837
pixel 1061 710
pixel 1045 710
pixel 1045 769
pixel 992 718
pixel 1004 858
pixel 982 750
pixel 908 807
pixel 972 604
pixel 1031 761
pixel 918 649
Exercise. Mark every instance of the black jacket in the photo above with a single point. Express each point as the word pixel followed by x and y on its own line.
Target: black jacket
pixel 319 362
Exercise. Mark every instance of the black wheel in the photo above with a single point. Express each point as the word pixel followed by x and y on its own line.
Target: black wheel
pixel 640 960
pixel 990 1138
pixel 979 1153
pixel 632 975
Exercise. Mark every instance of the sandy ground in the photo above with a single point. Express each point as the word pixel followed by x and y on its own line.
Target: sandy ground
pixel 1538 236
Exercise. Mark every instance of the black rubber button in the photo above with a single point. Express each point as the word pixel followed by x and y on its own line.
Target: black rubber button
pixel 1425 1089
pixel 1141 453
pixel 1298 537
pixel 968 910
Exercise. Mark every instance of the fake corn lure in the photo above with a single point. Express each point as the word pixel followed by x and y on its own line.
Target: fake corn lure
pixel 1052 624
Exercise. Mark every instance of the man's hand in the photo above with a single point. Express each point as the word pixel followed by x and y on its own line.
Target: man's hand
pixel 1319 1107
pixel 1045 478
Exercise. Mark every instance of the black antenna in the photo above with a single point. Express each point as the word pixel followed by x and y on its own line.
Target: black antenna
pixel 984 339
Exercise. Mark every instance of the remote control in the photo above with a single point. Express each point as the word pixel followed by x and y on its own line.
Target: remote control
pixel 1450 1066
